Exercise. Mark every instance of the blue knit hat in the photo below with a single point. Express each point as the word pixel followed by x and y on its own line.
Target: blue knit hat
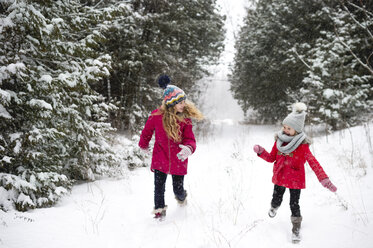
pixel 172 94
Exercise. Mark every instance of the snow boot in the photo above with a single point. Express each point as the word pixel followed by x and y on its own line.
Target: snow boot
pixel 182 199
pixel 272 212
pixel 160 213
pixel 296 221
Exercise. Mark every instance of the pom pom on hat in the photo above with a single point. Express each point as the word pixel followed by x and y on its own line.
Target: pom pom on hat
pixel 299 107
pixel 163 81
pixel 296 118
pixel 172 94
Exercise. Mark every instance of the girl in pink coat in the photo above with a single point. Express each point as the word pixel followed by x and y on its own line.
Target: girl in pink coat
pixel 289 154
pixel 174 142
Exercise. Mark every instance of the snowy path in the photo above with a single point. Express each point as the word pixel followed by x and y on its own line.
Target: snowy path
pixel 229 193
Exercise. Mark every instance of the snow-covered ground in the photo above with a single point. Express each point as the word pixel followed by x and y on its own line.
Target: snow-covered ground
pixel 229 192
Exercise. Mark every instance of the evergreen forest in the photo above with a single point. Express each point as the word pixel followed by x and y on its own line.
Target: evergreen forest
pixel 319 52
pixel 75 73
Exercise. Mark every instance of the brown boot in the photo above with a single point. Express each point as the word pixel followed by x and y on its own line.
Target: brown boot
pixel 296 221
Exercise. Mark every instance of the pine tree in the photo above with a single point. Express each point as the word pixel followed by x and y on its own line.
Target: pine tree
pixel 318 52
pixel 266 69
pixel 53 125
pixel 338 87
pixel 158 36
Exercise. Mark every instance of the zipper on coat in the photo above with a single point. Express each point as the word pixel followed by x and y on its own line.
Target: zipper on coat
pixel 169 157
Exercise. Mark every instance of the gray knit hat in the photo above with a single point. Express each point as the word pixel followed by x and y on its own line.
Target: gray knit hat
pixel 296 118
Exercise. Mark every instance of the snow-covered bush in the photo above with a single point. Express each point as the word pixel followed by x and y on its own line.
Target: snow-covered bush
pixel 32 190
pixel 130 153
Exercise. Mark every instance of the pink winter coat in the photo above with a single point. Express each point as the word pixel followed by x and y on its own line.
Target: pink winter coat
pixel 288 170
pixel 165 149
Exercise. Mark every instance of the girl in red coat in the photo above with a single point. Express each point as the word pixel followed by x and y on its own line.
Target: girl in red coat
pixel 289 154
pixel 174 142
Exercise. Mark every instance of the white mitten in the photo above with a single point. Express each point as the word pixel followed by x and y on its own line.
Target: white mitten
pixel 184 153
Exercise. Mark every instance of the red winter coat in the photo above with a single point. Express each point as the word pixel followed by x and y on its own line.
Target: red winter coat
pixel 165 149
pixel 288 170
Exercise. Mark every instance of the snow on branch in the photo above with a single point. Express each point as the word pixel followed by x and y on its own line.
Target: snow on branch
pixel 365 65
pixel 356 21
pixel 301 59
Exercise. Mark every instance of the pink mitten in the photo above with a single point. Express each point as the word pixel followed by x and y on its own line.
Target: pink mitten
pixel 258 149
pixel 328 184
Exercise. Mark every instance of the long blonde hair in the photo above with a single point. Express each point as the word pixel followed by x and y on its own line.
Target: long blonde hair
pixel 171 118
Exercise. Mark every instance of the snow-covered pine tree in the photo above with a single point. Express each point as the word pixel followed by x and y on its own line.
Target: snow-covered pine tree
pixel 53 125
pixel 338 87
pixel 323 48
pixel 265 71
pixel 242 85
pixel 176 37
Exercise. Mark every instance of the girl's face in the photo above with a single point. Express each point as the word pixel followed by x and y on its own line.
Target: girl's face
pixel 180 107
pixel 288 130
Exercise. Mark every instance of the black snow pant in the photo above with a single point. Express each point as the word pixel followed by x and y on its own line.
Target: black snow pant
pixel 160 188
pixel 278 193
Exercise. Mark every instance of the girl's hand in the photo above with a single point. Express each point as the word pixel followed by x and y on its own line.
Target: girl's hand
pixel 258 149
pixel 328 184
pixel 184 153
